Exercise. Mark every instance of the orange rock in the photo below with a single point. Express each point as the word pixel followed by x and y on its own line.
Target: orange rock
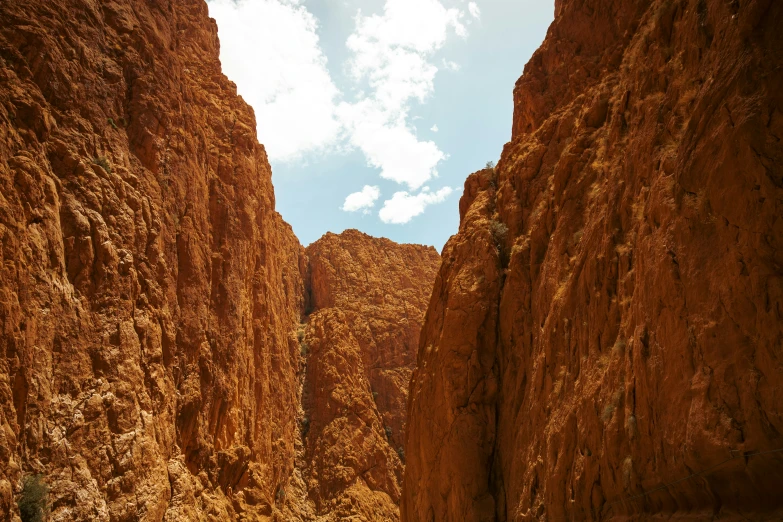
pixel 148 289
pixel 368 297
pixel 150 295
pixel 608 321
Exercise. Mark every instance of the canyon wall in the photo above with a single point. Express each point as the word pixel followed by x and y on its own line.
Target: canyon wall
pixel 169 351
pixel 605 336
pixel 367 298
pixel 149 292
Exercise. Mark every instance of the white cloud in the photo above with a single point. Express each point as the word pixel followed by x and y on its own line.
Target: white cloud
pixel 392 52
pixel 363 200
pixel 403 207
pixel 434 128
pixel 270 49
pixel 451 66
pixel 390 144
pixel 475 12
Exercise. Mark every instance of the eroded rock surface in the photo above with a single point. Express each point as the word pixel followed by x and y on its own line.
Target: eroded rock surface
pixel 608 320
pixel 149 292
pixel 368 297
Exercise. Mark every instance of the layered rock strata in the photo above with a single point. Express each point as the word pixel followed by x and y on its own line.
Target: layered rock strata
pixel 605 334
pixel 368 297
pixel 149 292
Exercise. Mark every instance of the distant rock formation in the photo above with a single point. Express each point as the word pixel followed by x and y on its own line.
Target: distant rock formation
pixel 608 321
pixel 368 298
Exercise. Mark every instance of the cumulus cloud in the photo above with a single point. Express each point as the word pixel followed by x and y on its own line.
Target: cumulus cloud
pixel 363 200
pixel 270 49
pixel 392 52
pixel 390 145
pixel 434 128
pixel 451 66
pixel 474 10
pixel 403 207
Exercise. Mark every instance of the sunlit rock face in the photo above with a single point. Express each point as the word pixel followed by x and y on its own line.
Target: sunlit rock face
pixel 367 298
pixel 608 321
pixel 149 292
pixel 154 306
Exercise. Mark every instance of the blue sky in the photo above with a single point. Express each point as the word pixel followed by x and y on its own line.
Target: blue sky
pixel 374 112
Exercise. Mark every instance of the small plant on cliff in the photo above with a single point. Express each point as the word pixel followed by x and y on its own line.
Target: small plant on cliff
pixel 388 431
pixel 499 231
pixel 401 454
pixel 304 426
pixel 627 471
pixel 304 349
pixel 103 163
pixel 33 505
pixel 610 408
pixel 619 348
pixel 491 174
pixel 110 121
pixel 630 425
pixel 608 412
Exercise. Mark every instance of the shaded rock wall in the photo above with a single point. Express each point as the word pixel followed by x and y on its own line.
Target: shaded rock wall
pixel 608 320
pixel 149 293
pixel 368 297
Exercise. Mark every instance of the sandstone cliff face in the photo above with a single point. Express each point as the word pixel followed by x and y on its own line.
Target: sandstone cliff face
pixel 149 293
pixel 608 320
pixel 368 297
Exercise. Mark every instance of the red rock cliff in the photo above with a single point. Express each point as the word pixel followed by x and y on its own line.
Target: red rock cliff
pixel 605 334
pixel 368 297
pixel 149 293
pixel 153 362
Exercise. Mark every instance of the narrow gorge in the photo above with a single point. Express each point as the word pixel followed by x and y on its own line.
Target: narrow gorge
pixel 602 338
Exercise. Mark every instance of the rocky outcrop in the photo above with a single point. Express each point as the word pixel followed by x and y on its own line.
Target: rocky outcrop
pixel 149 293
pixel 368 298
pixel 604 338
